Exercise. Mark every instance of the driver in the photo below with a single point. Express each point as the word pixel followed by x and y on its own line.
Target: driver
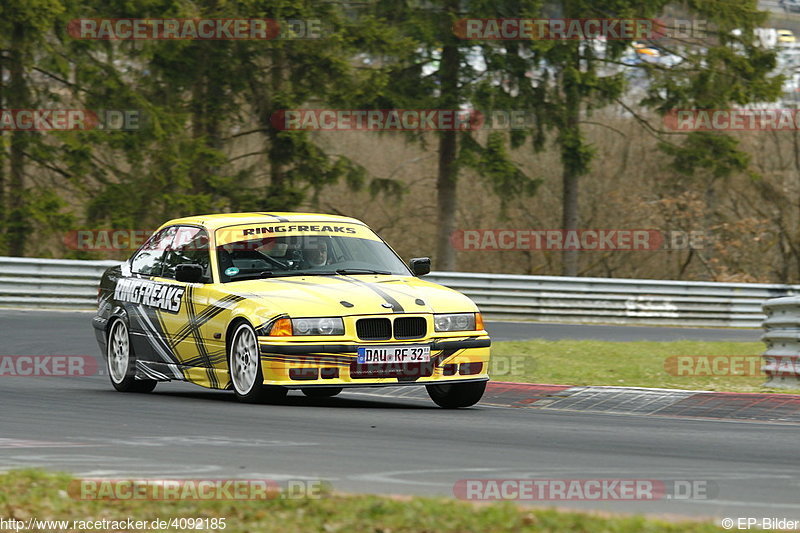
pixel 316 254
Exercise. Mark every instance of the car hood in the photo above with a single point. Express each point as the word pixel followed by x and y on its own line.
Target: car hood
pixel 352 295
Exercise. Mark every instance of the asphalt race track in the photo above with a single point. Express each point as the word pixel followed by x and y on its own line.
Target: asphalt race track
pixel 42 332
pixel 361 442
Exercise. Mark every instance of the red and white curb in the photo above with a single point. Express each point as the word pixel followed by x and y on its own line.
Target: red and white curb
pixel 628 400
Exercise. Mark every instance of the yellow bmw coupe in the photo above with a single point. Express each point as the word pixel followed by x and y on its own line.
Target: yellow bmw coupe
pixel 260 303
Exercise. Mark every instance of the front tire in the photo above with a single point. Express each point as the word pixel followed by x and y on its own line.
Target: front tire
pixel 455 395
pixel 121 361
pixel 244 365
pixel 322 392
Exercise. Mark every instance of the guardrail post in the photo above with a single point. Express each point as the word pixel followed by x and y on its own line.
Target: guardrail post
pixel 781 361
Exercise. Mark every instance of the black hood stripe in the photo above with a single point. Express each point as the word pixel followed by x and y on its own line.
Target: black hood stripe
pixel 396 307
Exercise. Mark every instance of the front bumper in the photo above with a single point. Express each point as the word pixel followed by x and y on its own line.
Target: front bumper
pixel 299 365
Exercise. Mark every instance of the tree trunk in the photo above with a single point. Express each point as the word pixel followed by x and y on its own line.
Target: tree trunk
pixel 276 155
pixel 3 212
pixel 446 201
pixel 784 278
pixel 266 101
pixel 17 225
pixel 570 178
pixel 208 104
pixel 570 218
pixel 709 221
pixel 447 178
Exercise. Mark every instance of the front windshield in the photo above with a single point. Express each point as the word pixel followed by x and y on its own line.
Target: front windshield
pixel 314 254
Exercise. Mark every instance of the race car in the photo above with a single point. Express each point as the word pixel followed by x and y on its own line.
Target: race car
pixel 261 303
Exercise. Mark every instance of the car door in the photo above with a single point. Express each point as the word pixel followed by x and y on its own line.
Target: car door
pixel 134 294
pixel 194 333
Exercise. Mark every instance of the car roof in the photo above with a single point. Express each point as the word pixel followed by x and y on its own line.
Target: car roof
pixel 221 220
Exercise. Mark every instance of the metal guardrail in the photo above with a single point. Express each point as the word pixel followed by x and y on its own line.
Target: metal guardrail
pixel 616 301
pixel 71 284
pixel 782 337
pixel 50 283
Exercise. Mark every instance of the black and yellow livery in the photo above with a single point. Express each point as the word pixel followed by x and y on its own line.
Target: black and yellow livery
pixel 261 303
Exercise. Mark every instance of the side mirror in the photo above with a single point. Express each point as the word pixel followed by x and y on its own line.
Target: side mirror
pixel 189 273
pixel 420 266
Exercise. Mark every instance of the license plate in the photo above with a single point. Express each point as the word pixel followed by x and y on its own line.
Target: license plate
pixel 394 354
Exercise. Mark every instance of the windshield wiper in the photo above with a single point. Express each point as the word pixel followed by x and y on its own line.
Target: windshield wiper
pixel 252 275
pixel 272 274
pixel 345 271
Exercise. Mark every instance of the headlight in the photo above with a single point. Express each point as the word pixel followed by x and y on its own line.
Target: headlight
pixel 318 326
pixel 454 322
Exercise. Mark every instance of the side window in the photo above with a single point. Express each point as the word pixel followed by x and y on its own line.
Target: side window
pixel 189 246
pixel 150 259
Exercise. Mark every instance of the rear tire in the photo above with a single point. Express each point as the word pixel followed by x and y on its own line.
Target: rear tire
pixel 455 395
pixel 121 361
pixel 244 365
pixel 322 392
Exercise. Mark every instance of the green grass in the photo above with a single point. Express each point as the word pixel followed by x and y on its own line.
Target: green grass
pixel 26 494
pixel 623 364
